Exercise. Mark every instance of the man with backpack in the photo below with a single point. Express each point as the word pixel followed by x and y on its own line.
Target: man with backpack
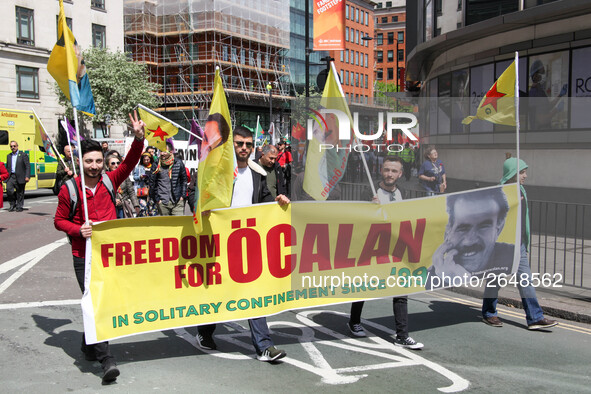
pixel 70 217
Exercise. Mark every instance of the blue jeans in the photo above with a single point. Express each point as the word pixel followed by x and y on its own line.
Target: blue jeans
pixel 533 311
pixel 259 333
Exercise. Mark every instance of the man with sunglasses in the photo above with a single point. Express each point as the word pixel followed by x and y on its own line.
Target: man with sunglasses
pixel 250 187
pixel 19 168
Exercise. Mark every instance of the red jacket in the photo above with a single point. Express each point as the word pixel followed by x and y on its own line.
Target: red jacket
pixel 100 205
pixel 4 175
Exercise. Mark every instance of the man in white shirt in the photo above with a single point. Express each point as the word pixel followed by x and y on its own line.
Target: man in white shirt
pixel 250 187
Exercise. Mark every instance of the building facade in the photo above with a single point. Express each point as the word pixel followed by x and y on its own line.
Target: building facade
pixel 390 43
pixel 457 65
pixel 27 37
pixel 182 43
pixel 356 63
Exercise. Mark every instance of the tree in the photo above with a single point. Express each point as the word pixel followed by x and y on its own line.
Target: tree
pixel 118 85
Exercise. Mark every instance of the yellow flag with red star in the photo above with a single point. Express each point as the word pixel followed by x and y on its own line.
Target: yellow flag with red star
pixel 498 105
pixel 158 129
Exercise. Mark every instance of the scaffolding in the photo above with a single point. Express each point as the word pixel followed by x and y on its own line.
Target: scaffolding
pixel 183 41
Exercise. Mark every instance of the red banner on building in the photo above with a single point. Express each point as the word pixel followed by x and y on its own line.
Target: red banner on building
pixel 329 25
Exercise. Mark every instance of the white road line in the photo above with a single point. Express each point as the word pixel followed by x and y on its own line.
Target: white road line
pixel 25 258
pixel 37 304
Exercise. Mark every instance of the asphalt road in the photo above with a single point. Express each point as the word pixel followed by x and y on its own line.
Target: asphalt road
pixel 41 327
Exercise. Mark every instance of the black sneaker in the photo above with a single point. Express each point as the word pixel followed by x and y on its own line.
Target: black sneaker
pixel 271 354
pixel 357 330
pixel 206 342
pixel 408 343
pixel 541 324
pixel 110 370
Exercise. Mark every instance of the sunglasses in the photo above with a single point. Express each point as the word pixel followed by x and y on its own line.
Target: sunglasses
pixel 240 143
pixel 114 162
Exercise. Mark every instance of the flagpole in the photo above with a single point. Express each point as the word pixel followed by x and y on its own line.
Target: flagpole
pixel 373 188
pixel 83 185
pixel 178 126
pixel 69 142
pixel 517 125
pixel 50 140
pixel 256 132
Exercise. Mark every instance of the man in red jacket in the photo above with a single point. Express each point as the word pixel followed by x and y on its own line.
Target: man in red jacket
pixel 100 208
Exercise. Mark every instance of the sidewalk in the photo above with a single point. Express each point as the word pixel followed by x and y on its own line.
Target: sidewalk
pixel 566 302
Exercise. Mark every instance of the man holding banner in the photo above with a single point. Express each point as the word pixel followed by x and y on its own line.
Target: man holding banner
pixel 100 208
pixel 250 188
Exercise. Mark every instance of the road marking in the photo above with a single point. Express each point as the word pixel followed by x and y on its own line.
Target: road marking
pixel 37 304
pixel 374 346
pixel 563 325
pixel 28 261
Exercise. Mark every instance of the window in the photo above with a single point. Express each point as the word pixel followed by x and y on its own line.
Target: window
pixel 390 56
pixel 346 55
pixel 346 77
pixel 99 36
pixel 366 84
pixel 380 74
pixel 356 14
pixel 342 56
pixel 390 38
pixel 346 34
pixel 361 59
pixel 100 4
pixel 366 61
pixel 380 39
pixel 356 36
pixel 225 53
pixel 384 19
pixel 341 77
pixel 401 55
pixel 25 27
pixel 351 58
pixel 357 79
pixel 395 18
pixel 380 56
pixel 27 82
pixel 388 4
pixel 352 78
pixel 68 22
pixel 390 73
pixel 367 19
pixel 401 37
pixel 347 11
pixel 356 58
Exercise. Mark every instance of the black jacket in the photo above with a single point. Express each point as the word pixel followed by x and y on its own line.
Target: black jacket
pixel 22 168
pixel 178 181
pixel 279 175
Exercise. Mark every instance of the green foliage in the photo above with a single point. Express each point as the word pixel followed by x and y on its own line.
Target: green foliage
pixel 117 83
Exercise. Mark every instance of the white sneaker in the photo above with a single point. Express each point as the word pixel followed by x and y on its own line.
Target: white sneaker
pixel 408 343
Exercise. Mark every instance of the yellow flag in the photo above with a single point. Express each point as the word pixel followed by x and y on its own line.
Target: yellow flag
pixel 158 129
pixel 42 139
pixel 215 176
pixel 326 167
pixel 498 105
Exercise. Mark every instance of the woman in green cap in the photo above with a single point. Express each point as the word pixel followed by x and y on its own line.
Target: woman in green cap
pixel 533 312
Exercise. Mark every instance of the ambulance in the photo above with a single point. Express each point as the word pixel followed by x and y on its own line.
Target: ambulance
pixel 19 126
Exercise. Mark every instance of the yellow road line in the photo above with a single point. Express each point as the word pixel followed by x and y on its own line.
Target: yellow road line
pixel 566 326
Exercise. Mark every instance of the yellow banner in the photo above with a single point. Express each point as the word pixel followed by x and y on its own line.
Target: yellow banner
pixel 151 274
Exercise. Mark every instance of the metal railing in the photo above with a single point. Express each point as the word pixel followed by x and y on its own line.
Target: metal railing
pixel 559 234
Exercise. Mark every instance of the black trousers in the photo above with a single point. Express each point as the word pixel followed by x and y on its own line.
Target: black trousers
pixel 15 192
pixel 100 350
pixel 400 309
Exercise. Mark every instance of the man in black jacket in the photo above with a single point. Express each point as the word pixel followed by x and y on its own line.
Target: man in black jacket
pixel 169 185
pixel 387 191
pixel 275 179
pixel 250 187
pixel 19 168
